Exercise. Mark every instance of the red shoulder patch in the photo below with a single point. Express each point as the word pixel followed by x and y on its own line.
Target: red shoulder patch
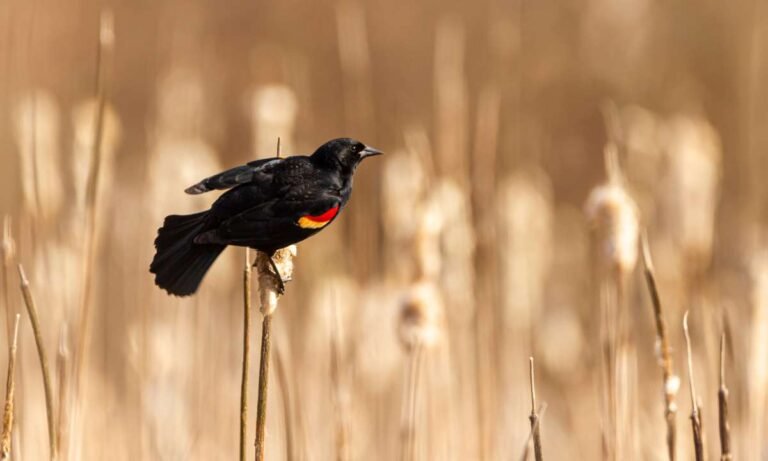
pixel 320 220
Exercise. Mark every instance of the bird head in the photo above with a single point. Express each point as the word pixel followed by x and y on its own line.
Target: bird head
pixel 343 153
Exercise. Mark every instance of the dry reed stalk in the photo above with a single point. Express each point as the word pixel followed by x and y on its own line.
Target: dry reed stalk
pixel 419 329
pixel 285 391
pixel 722 400
pixel 698 443
pixel 7 252
pixel 246 355
pixel 103 59
pixel 5 441
pixel 671 381
pixel 534 418
pixel 62 368
pixel 268 295
pixel 341 420
pixel 33 318
pixel 613 216
pixel 526 448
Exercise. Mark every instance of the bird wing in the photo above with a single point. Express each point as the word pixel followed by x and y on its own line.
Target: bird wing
pixel 234 176
pixel 279 220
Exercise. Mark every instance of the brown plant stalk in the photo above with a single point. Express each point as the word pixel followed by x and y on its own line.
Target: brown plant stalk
pixel 29 301
pixel 341 420
pixel 698 443
pixel 7 249
pixel 5 441
pixel 671 381
pixel 246 355
pixel 534 418
pixel 408 445
pixel 103 58
pixel 268 294
pixel 722 400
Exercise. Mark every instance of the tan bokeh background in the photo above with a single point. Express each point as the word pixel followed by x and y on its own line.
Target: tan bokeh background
pixel 480 235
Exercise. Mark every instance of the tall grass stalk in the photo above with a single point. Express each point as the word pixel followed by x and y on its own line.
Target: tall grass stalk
pixel 246 355
pixel 722 400
pixel 103 61
pixel 534 417
pixel 268 296
pixel 29 301
pixel 7 251
pixel 698 437
pixel 8 415
pixel 671 381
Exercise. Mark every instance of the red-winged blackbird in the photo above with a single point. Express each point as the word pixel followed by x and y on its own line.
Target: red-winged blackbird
pixel 272 203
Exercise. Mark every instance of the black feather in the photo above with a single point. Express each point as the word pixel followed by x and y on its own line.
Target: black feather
pixel 180 264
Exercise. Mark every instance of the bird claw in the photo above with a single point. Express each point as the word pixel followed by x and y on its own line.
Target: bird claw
pixel 278 277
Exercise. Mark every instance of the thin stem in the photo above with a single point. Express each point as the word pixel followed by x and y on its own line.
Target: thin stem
pixel 526 448
pixel 106 43
pixel 261 410
pixel 282 380
pixel 408 446
pixel 671 382
pixel 246 355
pixel 5 442
pixel 32 311
pixel 722 400
pixel 698 444
pixel 342 437
pixel 534 417
pixel 7 250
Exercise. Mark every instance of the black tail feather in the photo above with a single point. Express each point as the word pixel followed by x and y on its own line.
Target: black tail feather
pixel 180 264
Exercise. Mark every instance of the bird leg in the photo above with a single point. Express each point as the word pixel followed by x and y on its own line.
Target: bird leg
pixel 280 281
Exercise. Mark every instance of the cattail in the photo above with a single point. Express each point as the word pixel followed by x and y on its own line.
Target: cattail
pixel 37 118
pixel 613 215
pixel 419 329
pixel 421 320
pixel 273 114
pixel 694 153
pixel 268 294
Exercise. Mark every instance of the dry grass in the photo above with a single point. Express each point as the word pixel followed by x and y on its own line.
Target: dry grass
pixel 496 129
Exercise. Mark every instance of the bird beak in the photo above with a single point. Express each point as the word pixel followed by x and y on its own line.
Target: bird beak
pixel 370 152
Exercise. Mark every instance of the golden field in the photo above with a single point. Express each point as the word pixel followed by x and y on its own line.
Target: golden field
pixel 528 146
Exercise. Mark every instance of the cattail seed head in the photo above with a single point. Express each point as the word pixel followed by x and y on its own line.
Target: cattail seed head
pixel 268 287
pixel 420 316
pixel 613 216
pixel 694 154
pixel 37 120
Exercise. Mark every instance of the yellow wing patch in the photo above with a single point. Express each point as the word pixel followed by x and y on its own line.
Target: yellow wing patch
pixel 318 221
pixel 306 223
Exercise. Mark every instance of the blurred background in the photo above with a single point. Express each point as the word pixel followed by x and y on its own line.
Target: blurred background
pixel 527 145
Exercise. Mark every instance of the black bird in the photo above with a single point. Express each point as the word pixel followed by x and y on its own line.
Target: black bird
pixel 272 203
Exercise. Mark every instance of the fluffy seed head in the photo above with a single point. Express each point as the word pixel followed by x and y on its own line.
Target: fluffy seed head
pixel 421 313
pixel 613 216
